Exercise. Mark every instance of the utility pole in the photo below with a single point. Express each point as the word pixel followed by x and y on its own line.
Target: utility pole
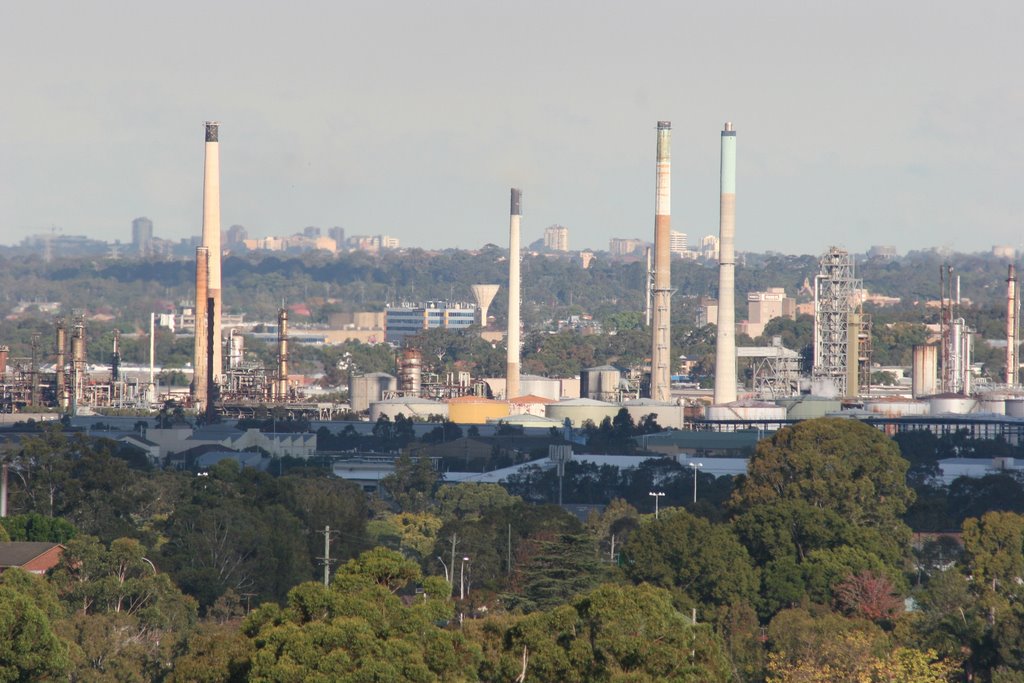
pixel 326 559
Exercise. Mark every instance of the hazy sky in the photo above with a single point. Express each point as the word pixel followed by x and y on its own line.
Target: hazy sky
pixel 858 123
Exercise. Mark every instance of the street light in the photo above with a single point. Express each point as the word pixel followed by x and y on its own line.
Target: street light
pixel 462 578
pixel 657 495
pixel 695 465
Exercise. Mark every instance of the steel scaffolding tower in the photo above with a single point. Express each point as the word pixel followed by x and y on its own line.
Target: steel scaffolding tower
pixel 838 324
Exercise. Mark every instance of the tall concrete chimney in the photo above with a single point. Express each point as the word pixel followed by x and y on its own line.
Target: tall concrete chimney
pixel 725 351
pixel 282 355
pixel 200 358
pixel 61 366
pixel 211 240
pixel 1012 327
pixel 661 343
pixel 514 299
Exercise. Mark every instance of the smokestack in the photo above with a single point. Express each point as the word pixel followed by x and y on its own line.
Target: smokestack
pixel 61 365
pixel 514 299
pixel 647 287
pixel 151 392
pixel 200 360
pixel 115 358
pixel 661 343
pixel 725 351
pixel 5 352
pixel 3 490
pixel 282 355
pixel 211 240
pixel 78 362
pixel 1012 327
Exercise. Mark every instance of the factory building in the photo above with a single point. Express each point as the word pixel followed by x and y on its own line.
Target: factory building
pixel 405 320
pixel 763 307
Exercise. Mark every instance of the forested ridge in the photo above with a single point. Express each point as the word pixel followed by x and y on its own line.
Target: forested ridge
pixel 804 569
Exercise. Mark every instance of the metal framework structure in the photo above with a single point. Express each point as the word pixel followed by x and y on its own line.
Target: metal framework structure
pixel 775 370
pixel 837 323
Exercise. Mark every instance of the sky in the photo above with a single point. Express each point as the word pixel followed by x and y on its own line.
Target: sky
pixel 859 123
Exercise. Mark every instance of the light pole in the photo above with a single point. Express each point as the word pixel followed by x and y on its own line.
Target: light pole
pixel 657 495
pixel 695 465
pixel 462 578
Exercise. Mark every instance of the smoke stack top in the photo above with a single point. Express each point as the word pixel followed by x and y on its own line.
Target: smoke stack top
pixel 212 131
pixel 664 125
pixel 728 128
pixel 517 201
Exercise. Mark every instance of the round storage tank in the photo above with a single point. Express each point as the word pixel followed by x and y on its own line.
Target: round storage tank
pixel 809 407
pixel 476 410
pixel 579 410
pixel 1015 407
pixel 897 407
pixel 369 388
pixel 958 404
pixel 535 385
pixel 411 407
pixel 996 406
pixel 668 415
pixel 746 410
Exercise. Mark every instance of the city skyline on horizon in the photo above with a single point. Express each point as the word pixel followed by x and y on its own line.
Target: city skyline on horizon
pixel 408 121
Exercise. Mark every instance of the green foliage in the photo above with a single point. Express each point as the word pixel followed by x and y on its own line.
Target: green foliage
pixel 704 562
pixel 29 648
pixel 550 569
pixel 36 527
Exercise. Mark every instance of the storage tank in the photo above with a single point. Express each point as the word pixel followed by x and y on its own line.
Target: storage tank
pixel 476 410
pixel 412 407
pixel 957 404
pixel 667 414
pixel 746 410
pixel 369 388
pixel 535 385
pixel 924 379
pixel 600 383
pixel 897 407
pixel 1015 407
pixel 992 404
pixel 579 410
pixel 809 407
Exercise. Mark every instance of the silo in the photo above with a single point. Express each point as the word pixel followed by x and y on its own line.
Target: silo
pixel 925 370
pixel 667 414
pixel 1015 407
pixel 369 388
pixel 957 404
pixel 535 385
pixel 600 383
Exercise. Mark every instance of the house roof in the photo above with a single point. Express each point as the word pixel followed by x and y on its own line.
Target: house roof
pixel 20 553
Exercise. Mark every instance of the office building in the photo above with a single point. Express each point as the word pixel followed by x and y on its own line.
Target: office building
pixel 407 319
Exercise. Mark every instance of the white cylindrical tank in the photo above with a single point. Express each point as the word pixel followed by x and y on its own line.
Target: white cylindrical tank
pixel 897 407
pixel 809 407
pixel 535 385
pixel 996 406
pixel 668 415
pixel 1015 407
pixel 409 406
pixel 746 410
pixel 957 404
pixel 600 383
pixel 579 410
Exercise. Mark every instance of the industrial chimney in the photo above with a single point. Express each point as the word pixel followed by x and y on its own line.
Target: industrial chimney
pixel 61 366
pixel 514 300
pixel 200 357
pixel 661 343
pixel 725 349
pixel 211 240
pixel 1012 327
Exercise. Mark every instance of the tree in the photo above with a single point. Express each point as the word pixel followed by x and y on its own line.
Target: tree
pixel 29 648
pixel 832 464
pixel 703 561
pixel 550 569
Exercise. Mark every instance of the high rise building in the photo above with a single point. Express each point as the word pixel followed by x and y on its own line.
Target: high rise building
pixel 338 235
pixel 619 246
pixel 677 242
pixel 237 235
pixel 556 238
pixel 142 236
